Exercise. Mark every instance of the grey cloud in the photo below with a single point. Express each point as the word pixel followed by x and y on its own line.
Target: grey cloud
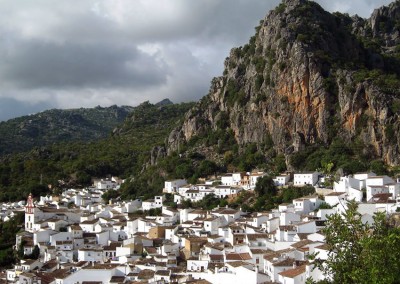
pixel 362 8
pixel 124 52
pixel 10 107
pixel 35 64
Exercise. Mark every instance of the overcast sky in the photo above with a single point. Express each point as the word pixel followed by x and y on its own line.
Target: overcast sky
pixel 72 54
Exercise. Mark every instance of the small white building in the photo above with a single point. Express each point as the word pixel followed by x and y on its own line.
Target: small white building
pixel 281 180
pixel 153 203
pixel 105 184
pixel 172 186
pixel 90 254
pixel 308 178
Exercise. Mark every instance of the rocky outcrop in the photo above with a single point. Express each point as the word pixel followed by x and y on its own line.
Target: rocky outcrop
pixel 307 77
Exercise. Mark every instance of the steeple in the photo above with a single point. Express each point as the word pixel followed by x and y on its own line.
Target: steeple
pixel 29 208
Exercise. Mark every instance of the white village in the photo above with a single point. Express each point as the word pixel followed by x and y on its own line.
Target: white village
pixel 77 238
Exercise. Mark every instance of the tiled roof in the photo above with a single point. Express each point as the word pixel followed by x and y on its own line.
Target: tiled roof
pixel 146 274
pixel 291 273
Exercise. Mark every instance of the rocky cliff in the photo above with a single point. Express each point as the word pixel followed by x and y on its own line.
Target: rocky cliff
pixel 307 77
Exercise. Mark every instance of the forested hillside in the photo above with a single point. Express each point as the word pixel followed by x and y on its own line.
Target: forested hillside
pixel 56 125
pixel 124 153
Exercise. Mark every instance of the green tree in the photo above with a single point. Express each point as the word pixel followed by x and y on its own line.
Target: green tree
pixel 110 194
pixel 265 186
pixel 35 252
pixel 360 252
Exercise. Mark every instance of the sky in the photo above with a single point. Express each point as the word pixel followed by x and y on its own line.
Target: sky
pixel 72 54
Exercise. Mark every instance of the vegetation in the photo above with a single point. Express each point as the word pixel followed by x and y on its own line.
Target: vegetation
pixel 74 164
pixel 56 126
pixel 8 230
pixel 361 253
pixel 352 158
pixel 267 196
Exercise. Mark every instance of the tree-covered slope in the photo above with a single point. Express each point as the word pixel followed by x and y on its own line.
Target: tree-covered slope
pixel 125 153
pixel 56 125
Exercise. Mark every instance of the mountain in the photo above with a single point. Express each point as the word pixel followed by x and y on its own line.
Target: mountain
pixel 56 125
pixel 308 83
pixel 126 151
pixel 164 102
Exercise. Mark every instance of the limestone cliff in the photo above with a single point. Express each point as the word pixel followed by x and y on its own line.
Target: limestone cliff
pixel 308 76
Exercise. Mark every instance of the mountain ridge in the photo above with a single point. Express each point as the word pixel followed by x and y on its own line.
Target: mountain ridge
pixel 58 125
pixel 63 125
pixel 306 78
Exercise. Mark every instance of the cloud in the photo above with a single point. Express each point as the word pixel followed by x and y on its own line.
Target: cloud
pixel 37 64
pixel 10 107
pixel 363 8
pixel 103 52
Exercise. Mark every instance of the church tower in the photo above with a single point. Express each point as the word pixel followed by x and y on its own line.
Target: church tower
pixel 29 214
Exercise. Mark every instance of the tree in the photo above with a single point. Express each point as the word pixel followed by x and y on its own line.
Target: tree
pixel 35 252
pixel 358 252
pixel 110 194
pixel 265 186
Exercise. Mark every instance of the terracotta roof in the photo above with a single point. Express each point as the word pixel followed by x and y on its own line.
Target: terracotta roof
pixel 303 236
pixel 61 273
pixel 101 266
pixel 112 246
pixel 146 274
pixel 287 228
pixel 76 228
pixel 335 193
pixel 238 256
pixel 163 272
pixel 216 257
pixel 259 251
pixel 90 222
pixel 284 262
pixel 117 279
pixel 291 273
pixel 323 247
pixel 302 243
pixel 50 264
pixel 238 263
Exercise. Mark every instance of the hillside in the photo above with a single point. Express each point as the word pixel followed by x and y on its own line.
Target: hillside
pixel 309 88
pixel 125 152
pixel 56 125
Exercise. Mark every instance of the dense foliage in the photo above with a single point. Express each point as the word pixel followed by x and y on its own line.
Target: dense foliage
pixel 8 231
pixel 74 164
pixel 351 158
pixel 56 125
pixel 361 252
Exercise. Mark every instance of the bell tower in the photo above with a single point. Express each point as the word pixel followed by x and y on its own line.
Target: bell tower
pixel 29 214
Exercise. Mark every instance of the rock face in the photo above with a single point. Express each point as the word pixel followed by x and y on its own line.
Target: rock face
pixel 307 77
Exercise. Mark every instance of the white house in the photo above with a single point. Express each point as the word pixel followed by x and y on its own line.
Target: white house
pixel 306 204
pixel 172 186
pixel 351 186
pixel 104 184
pixel 377 184
pixel 307 178
pixel 153 203
pixel 281 180
pixel 90 254
pixel 227 179
pixel 295 275
pixel 224 190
